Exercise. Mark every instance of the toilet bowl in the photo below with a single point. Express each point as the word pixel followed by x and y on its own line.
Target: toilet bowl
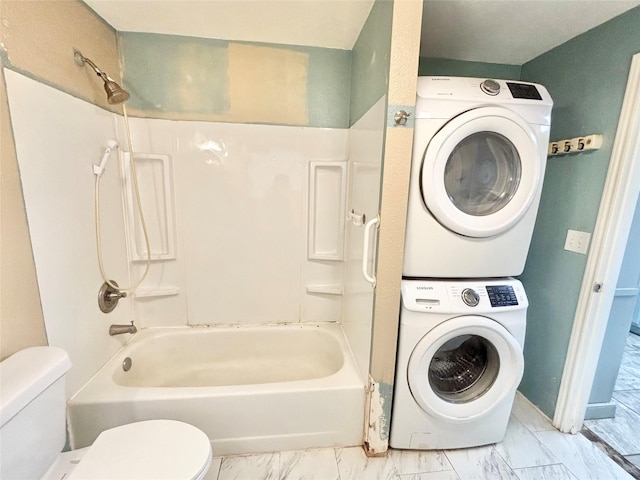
pixel 33 433
pixel 151 450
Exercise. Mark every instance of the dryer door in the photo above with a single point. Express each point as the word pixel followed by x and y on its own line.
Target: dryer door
pixel 481 172
pixel 464 367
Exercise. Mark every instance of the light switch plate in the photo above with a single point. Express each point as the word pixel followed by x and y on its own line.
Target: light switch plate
pixel 577 241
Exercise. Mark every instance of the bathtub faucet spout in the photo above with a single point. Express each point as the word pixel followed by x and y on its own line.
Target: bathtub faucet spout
pixel 120 329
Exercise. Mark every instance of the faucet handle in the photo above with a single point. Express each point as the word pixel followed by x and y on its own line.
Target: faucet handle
pixel 109 295
pixel 116 295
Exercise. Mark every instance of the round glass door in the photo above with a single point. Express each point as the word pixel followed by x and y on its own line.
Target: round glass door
pixel 481 171
pixel 464 367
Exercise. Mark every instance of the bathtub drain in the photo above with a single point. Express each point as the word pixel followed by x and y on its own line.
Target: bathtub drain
pixel 126 364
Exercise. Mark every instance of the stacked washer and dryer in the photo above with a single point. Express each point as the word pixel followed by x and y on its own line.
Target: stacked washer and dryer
pixel 479 157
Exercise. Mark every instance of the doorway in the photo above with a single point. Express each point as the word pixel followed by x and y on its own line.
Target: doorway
pixel 614 403
pixel 604 263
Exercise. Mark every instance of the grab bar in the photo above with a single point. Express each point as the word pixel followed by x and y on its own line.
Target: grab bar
pixel 365 251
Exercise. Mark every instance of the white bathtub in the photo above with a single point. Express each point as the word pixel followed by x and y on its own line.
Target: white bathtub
pixel 251 389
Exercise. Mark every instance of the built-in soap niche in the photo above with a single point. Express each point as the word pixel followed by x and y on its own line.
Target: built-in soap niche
pixel 327 206
pixel 155 184
pixel 326 221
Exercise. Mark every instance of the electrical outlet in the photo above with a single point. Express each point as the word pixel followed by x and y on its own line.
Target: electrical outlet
pixel 577 241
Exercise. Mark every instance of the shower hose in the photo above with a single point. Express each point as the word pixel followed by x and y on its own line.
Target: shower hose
pixel 136 192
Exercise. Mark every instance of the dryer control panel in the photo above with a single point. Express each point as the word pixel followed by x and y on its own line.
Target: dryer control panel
pixel 463 296
pixel 524 90
pixel 447 97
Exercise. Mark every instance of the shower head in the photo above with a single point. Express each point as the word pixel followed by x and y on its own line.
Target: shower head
pixel 115 93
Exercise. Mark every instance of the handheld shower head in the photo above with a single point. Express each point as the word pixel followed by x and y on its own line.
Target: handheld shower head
pixel 112 144
pixel 115 93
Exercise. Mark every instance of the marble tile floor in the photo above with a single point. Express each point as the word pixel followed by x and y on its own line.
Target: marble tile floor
pixel 622 433
pixel 531 450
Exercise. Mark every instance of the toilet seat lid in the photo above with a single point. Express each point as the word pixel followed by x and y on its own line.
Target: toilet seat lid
pixel 154 449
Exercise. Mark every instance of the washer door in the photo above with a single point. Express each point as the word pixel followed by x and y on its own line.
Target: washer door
pixel 481 171
pixel 464 367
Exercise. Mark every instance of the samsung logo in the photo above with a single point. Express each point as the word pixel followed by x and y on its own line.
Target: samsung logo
pixel 440 79
pixel 424 288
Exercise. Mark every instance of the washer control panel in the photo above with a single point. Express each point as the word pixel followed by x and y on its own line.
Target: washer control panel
pixel 463 296
pixel 502 295
pixel 470 297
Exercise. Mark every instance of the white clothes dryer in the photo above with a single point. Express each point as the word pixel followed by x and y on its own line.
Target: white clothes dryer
pixel 459 362
pixel 479 156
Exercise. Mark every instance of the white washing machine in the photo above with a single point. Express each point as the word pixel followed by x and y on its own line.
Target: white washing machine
pixel 479 156
pixel 459 362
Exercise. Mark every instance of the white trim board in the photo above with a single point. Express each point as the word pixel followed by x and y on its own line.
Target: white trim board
pixel 610 236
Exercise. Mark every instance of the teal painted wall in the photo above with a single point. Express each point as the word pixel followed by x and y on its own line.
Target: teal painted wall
pixel 188 78
pixel 586 78
pixel 161 72
pixel 182 77
pixel 462 68
pixel 370 63
pixel 328 92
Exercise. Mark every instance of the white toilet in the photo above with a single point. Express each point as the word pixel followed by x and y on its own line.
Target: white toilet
pixel 33 432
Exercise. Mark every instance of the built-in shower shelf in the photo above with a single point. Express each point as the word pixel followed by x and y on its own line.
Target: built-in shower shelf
pixel 327 204
pixel 155 179
pixel 325 289
pixel 156 292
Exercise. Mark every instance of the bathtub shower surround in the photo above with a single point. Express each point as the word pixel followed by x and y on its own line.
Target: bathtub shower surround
pixel 365 145
pixel 250 389
pixel 241 215
pixel 58 139
pixel 260 222
pixel 229 208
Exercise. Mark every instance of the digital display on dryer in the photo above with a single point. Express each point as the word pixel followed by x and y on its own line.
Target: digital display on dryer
pixel 522 90
pixel 502 295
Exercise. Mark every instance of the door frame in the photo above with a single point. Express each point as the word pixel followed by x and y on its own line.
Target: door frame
pixel 604 261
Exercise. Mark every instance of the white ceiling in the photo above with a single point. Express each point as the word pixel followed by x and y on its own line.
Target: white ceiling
pixel 496 31
pixel 509 31
pixel 315 23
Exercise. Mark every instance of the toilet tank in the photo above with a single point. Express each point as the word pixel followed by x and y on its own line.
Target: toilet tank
pixel 32 411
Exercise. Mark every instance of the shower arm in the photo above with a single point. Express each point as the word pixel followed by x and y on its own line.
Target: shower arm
pixel 81 59
pixel 115 93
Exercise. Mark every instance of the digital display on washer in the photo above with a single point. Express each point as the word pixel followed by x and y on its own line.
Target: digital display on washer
pixel 522 90
pixel 501 295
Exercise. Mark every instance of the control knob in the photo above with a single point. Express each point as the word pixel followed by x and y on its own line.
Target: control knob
pixel 470 297
pixel 490 87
